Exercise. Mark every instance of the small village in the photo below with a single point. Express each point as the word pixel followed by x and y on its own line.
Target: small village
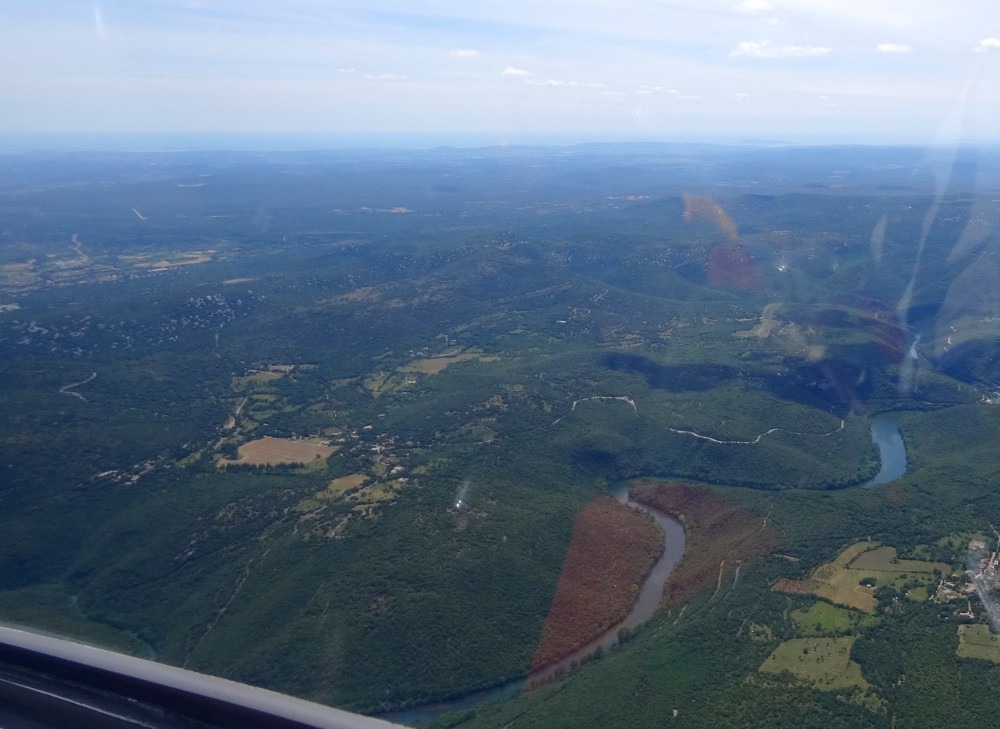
pixel 978 583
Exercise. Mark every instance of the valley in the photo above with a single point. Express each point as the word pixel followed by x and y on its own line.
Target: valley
pixel 349 425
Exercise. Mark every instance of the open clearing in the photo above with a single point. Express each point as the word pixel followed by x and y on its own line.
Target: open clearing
pixel 822 618
pixel 839 581
pixel 976 641
pixel 182 259
pixel 383 382
pixel 268 451
pixel 884 558
pixel 824 662
pixel 337 488
pixel 434 365
pixel 378 492
pixel 261 377
pixel 239 384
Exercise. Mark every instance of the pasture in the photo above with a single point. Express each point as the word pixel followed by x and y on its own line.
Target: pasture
pixel 824 662
pixel 840 581
pixel 434 365
pixel 268 451
pixel 822 618
pixel 977 641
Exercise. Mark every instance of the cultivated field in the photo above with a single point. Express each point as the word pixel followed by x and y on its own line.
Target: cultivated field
pixel 840 581
pixel 378 492
pixel 269 451
pixel 261 376
pixel 381 382
pixel 976 641
pixel 337 488
pixel 181 259
pixel 822 618
pixel 824 662
pixel 434 365
pixel 884 559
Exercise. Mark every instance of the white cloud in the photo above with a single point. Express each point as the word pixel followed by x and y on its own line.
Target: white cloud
pixel 386 77
pixel 465 53
pixel 987 44
pixel 766 50
pixel 511 71
pixel 752 7
pixel 892 48
pixel 549 82
pixel 742 95
pixel 352 69
pixel 772 21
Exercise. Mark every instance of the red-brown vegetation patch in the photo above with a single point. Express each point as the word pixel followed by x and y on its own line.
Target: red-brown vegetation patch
pixel 612 550
pixel 719 536
pixel 796 587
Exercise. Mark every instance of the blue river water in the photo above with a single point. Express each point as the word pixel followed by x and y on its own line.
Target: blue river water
pixel 892 451
pixel 646 604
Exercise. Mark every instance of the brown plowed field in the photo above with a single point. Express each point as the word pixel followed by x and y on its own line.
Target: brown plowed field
pixel 612 550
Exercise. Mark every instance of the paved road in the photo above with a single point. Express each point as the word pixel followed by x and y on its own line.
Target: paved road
pixel 49 682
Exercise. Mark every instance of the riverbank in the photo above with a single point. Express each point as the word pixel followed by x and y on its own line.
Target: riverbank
pixel 891 449
pixel 647 601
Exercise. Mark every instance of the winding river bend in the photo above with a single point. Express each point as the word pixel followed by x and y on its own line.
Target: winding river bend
pixel 892 452
pixel 650 594
pixel 644 608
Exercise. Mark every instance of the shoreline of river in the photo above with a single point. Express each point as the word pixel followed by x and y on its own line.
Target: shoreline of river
pixel 893 464
pixel 642 610
pixel 892 450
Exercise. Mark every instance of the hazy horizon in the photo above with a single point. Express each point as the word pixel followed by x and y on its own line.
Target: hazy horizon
pixel 723 70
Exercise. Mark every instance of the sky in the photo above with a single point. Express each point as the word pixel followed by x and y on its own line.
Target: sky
pixel 500 72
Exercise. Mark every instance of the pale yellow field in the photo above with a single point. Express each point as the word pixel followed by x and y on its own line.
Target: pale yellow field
pixel 434 365
pixel 183 259
pixel 839 581
pixel 337 488
pixel 269 451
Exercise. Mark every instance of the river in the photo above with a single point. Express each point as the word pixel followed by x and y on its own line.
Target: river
pixel 650 595
pixel 891 450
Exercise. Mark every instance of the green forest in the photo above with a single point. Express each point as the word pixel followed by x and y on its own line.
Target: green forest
pixel 475 346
